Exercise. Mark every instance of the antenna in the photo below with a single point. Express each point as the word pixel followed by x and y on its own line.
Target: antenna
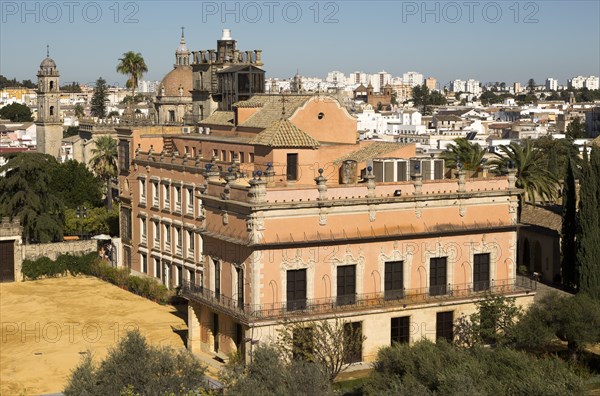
pixel 47 50
pixel 182 29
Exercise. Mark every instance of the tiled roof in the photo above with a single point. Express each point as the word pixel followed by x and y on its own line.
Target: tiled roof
pixel 541 217
pixel 596 141
pixel 272 108
pixel 447 118
pixel 219 118
pixel 282 133
pixel 373 150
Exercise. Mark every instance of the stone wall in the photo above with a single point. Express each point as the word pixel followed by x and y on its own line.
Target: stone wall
pixel 53 250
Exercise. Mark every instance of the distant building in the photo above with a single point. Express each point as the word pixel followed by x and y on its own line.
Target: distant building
pixel 412 78
pixel 473 87
pixel 592 83
pixel 336 78
pixel 49 129
pixel 577 82
pixel 517 88
pixel 458 86
pixel 431 83
pixel 551 84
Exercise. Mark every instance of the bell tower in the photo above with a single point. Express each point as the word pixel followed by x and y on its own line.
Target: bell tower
pixel 48 124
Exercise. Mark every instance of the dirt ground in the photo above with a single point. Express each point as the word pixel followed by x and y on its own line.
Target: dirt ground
pixel 47 324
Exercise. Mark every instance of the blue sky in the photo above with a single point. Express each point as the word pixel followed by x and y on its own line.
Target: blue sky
pixel 486 40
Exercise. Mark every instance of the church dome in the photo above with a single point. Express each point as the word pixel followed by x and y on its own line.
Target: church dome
pixel 179 77
pixel 48 62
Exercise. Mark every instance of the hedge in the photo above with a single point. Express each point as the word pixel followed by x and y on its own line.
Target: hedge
pixel 91 265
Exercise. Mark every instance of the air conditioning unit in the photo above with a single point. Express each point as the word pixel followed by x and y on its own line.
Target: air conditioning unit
pixel 207 130
pixel 186 129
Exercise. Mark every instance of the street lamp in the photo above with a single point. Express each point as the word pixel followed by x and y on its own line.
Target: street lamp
pixel 81 214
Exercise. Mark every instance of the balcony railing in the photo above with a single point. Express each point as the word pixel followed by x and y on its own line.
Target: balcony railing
pixel 254 312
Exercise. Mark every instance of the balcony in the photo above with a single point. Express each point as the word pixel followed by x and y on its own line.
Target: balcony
pixel 248 313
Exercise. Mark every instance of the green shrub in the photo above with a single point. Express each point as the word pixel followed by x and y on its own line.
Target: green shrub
pixel 43 267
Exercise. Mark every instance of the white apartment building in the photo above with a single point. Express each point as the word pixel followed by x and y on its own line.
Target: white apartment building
pixel 577 82
pixel 592 82
pixel 473 87
pixel 412 78
pixel 458 86
pixel 336 77
pixel 358 78
pixel 551 84
pixel 147 86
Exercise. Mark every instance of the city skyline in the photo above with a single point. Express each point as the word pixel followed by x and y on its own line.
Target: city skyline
pixel 446 40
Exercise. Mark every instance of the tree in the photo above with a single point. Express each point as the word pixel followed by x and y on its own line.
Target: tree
pixel 71 88
pixel 79 111
pixel 329 343
pixel 469 155
pixel 16 112
pixel 530 165
pixel 568 230
pixel 142 368
pixel 104 163
pixel 97 221
pixel 426 368
pixel 270 375
pixel 491 324
pixel 99 99
pixel 133 65
pixel 70 131
pixel 26 194
pixel 424 99
pixel 576 129
pixel 75 185
pixel 557 153
pixel 588 226
pixel 575 320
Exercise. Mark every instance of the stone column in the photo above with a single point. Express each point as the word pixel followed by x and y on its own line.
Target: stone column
pixel 321 185
pixel 370 182
pixel 418 182
pixel 194 328
pixel 258 189
pixel 512 178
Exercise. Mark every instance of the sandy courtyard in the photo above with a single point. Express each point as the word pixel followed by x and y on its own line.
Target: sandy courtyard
pixel 46 324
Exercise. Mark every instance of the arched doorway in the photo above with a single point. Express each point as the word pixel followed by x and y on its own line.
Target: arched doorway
pixel 537 257
pixel 526 255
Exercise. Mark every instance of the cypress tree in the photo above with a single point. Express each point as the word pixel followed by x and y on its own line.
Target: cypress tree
pixel 569 228
pixel 588 228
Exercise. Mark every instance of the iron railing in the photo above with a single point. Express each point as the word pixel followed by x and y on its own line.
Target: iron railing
pixel 253 312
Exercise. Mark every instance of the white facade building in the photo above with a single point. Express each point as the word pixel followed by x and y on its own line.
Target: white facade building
pixel 412 78
pixel 473 87
pixel 458 86
pixel 358 78
pixel 551 84
pixel 336 77
pixel 592 82
pixel 577 82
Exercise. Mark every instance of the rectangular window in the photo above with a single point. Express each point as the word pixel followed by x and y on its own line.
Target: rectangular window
pixel 191 243
pixel 394 282
pixel 240 287
pixel 400 329
pixel 231 156
pixel 179 275
pixel 144 263
pixel 143 235
pixel 224 155
pixel 178 240
pixel 292 167
pixel 437 276
pixel 190 201
pixel 353 342
pixel 156 232
pixel 124 159
pixel 215 331
pixel 192 278
pixel 296 289
pixel 166 197
pixel 346 284
pixel 155 194
pixel 157 268
pixel 126 231
pixel 142 191
pixel 251 157
pixel 178 199
pixel 242 159
pixel 481 272
pixel 217 279
pixel 444 326
pixel 167 238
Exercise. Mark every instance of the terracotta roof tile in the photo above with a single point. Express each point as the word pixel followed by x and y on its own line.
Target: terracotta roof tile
pixel 219 118
pixel 271 108
pixel 282 133
pixel 541 217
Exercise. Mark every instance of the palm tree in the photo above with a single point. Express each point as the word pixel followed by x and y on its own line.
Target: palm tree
pixel 133 65
pixel 469 155
pixel 79 112
pixel 532 175
pixel 104 163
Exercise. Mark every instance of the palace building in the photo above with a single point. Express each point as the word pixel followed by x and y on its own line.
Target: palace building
pixel 272 210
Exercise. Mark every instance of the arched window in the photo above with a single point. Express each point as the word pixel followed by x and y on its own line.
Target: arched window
pixel 51 110
pixel 51 85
